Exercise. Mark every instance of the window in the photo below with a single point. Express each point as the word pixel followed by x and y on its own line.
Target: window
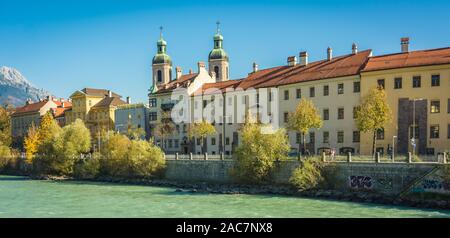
pixel 356 87
pixel 286 94
pixel 326 114
pixel 326 90
pixel 216 70
pixel 448 105
pixel 298 93
pixel 170 143
pixel 177 143
pixel 90 103
pixel 435 106
pixel 341 88
pixel 326 137
pixel 286 117
pixel 416 82
pixel 356 136
pixel 270 96
pixel 312 137
pixel 178 129
pixel 380 134
pixel 227 140
pixel 380 83
pixel 398 83
pixel 213 141
pixel 355 109
pixel 184 129
pixel 312 92
pixel 448 131
pixel 244 99
pixel 340 113
pixel 297 138
pixel 198 141
pixel 435 80
pixel 159 76
pixel 434 131
pixel 153 116
pixel 340 137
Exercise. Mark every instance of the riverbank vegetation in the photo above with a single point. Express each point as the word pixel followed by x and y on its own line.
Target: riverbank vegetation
pixel 258 152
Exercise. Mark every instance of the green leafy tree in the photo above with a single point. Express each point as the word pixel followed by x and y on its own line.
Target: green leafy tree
pixel 123 157
pixel 202 130
pixel 63 149
pixel 308 175
pixel 373 113
pixel 303 119
pixel 256 155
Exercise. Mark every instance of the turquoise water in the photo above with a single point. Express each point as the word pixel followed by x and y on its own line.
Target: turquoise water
pixel 21 197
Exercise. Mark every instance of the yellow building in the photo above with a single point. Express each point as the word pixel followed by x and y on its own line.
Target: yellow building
pixel 417 85
pixel 95 107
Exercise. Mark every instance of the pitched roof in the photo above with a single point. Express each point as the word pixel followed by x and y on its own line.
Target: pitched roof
pixel 340 66
pixel 60 111
pixel 98 92
pixel 409 59
pixel 109 101
pixel 217 87
pixel 32 107
pixel 182 82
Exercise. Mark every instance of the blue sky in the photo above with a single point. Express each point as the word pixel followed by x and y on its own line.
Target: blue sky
pixel 68 45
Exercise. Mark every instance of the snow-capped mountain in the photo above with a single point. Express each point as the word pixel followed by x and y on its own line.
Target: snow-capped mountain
pixel 15 89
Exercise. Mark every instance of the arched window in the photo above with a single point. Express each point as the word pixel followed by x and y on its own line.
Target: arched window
pixel 216 70
pixel 228 75
pixel 159 77
pixel 170 74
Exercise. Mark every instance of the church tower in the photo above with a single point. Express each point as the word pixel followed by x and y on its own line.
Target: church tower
pixel 161 64
pixel 218 58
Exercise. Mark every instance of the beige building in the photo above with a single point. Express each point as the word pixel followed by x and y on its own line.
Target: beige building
pixel 24 117
pixel 96 108
pixel 334 84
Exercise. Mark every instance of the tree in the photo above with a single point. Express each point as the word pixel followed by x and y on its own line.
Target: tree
pixel 47 126
pixel 63 149
pixel 131 158
pixel 166 128
pixel 303 119
pixel 373 113
pixel 5 127
pixel 202 130
pixel 256 155
pixel 31 142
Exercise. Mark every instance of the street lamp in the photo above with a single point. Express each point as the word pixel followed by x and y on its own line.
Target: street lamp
pixel 413 139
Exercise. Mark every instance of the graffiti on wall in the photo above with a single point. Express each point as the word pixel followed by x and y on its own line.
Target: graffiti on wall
pixel 433 185
pixel 360 182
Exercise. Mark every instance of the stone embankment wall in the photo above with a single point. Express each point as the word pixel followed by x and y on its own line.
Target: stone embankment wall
pixel 384 178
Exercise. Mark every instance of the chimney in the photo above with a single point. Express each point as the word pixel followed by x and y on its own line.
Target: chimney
pixel 303 58
pixel 404 42
pixel 179 72
pixel 190 71
pixel 255 67
pixel 329 54
pixel 292 60
pixel 63 104
pixel 28 101
pixel 109 93
pixel 354 48
pixel 201 65
pixel 62 100
pixel 128 100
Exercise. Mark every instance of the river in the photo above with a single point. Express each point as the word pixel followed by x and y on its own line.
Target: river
pixel 22 197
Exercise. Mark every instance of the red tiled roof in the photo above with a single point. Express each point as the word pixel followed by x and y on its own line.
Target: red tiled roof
pixel 182 82
pixel 60 111
pixel 340 66
pixel 32 107
pixel 217 87
pixel 409 59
